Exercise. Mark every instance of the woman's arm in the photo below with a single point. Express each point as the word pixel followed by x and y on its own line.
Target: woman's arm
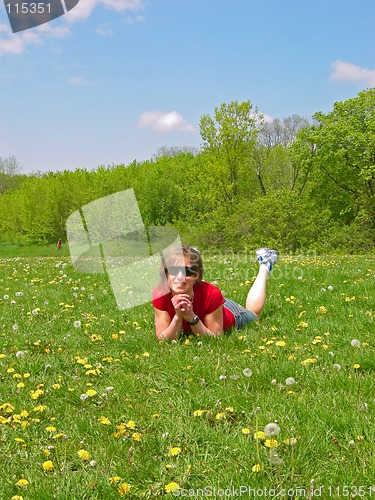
pixel 170 329
pixel 165 327
pixel 212 325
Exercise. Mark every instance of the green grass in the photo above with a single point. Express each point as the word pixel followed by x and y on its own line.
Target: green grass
pixel 158 387
pixel 10 250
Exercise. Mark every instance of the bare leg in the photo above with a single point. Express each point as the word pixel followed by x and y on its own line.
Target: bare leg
pixel 256 297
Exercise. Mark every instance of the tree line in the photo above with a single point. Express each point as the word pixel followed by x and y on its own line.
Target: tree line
pixel 294 184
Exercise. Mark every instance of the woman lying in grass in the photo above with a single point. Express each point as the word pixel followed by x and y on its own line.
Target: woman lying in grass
pixel 184 302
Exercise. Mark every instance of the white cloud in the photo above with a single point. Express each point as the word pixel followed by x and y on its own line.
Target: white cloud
pixel 134 20
pixel 260 117
pixel 77 80
pixel 85 7
pixel 104 29
pixel 164 121
pixel 347 72
pixel 122 5
pixel 81 11
pixel 16 43
pixel 55 31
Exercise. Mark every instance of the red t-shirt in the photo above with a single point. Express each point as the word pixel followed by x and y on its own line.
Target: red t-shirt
pixel 207 298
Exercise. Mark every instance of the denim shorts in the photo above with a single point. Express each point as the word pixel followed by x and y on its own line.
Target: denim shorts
pixel 242 316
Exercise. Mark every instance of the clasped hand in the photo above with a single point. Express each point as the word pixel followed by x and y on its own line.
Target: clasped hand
pixel 183 306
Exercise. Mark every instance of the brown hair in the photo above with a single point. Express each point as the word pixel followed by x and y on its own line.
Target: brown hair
pixel 173 256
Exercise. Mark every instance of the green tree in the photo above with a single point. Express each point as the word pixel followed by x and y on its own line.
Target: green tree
pixel 338 156
pixel 274 165
pixel 228 141
pixel 9 168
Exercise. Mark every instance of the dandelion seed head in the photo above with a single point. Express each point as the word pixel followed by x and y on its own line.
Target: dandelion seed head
pixel 337 367
pixel 271 429
pixel 247 372
pixel 363 406
pixel 77 324
pixel 355 343
pixel 275 459
pixel 290 381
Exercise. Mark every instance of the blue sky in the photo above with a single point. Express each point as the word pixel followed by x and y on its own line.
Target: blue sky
pixel 114 80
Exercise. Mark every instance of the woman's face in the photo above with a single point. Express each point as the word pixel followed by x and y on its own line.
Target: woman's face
pixel 181 278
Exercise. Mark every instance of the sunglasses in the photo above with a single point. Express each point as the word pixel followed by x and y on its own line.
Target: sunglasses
pixel 185 270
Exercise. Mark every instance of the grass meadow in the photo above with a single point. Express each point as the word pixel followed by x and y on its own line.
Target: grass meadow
pixel 93 407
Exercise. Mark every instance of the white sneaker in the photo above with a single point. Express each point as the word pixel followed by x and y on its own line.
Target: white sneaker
pixel 266 257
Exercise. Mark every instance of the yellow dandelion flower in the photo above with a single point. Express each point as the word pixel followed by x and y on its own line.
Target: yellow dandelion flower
pixel 170 487
pixel 220 416
pixel 280 343
pixel 257 468
pixel 130 424
pixel 123 489
pixel 308 361
pixel 20 385
pixel 115 479
pixel 16 497
pixel 51 428
pixel 173 452
pixel 104 420
pixel 198 413
pixel 36 394
pixel 91 392
pixel 39 408
pixel 271 443
pixel 146 354
pixel 290 441
pixel 245 431
pixel 83 454
pixel 356 366
pixel 48 466
pixel 137 436
pixel 259 435
pixel 303 324
pixel 22 482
